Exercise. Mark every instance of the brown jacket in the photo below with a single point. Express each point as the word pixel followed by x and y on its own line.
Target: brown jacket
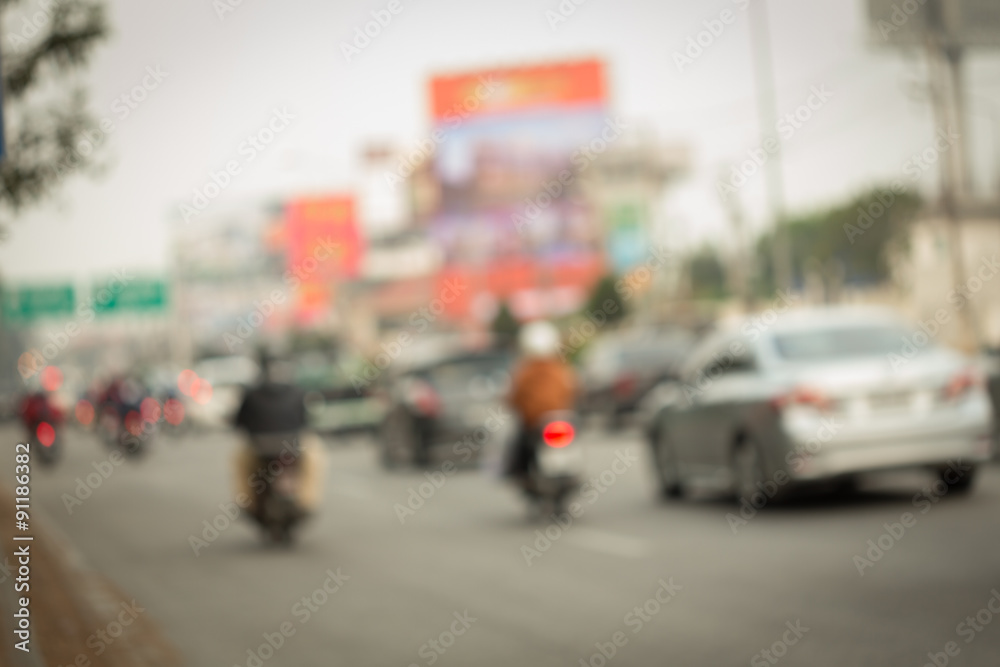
pixel 540 386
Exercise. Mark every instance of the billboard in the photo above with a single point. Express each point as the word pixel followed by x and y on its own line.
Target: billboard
pixel 324 245
pixel 511 145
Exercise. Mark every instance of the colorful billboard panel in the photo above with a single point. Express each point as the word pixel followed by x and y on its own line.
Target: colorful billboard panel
pixel 505 90
pixel 324 245
pixel 514 143
pixel 323 237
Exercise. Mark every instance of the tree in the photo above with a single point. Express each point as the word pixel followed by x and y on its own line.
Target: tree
pixel 707 274
pixel 603 292
pixel 49 132
pixel 505 326
pixel 857 239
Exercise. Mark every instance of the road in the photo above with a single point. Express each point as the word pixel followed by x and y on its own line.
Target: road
pixel 451 583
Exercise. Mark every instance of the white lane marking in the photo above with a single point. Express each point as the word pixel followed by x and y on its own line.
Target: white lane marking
pixel 608 543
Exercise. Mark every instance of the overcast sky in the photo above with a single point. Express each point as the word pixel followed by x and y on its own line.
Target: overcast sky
pixel 227 76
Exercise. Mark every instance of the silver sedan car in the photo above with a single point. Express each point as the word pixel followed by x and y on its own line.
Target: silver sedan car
pixel 775 401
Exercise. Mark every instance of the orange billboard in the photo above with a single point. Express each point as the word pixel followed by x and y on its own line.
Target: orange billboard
pixel 323 237
pixel 324 244
pixel 556 85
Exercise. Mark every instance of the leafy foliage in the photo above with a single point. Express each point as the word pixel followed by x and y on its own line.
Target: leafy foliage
pixel 603 292
pixel 858 237
pixel 45 47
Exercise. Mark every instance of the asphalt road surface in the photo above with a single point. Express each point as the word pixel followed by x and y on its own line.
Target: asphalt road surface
pixel 465 579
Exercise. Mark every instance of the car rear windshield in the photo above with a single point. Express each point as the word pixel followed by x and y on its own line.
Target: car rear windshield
pixel 840 343
pixel 455 377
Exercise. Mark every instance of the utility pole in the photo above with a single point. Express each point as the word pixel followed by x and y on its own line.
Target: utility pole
pixel 941 51
pixel 761 43
pixel 742 274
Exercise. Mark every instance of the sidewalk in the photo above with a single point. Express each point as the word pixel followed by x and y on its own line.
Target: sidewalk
pixel 75 611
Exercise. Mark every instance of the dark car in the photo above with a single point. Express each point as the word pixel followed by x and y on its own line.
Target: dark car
pixel 450 403
pixel 336 402
pixel 619 369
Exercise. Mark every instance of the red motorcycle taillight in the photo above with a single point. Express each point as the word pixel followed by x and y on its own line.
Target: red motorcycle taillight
pixel 558 434
pixel 46 434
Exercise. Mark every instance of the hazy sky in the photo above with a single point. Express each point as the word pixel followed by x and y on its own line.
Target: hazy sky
pixel 226 77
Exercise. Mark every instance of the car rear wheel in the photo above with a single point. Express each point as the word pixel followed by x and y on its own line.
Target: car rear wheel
pixel 397 441
pixel 959 482
pixel 667 468
pixel 748 472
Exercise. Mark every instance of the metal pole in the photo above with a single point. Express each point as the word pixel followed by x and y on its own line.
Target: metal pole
pixel 963 174
pixel 950 175
pixel 760 40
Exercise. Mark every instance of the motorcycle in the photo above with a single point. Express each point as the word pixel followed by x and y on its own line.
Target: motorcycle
pixel 50 450
pixel 277 486
pixel 43 420
pixel 120 433
pixel 556 470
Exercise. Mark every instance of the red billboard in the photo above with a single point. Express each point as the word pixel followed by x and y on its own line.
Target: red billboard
pixel 324 245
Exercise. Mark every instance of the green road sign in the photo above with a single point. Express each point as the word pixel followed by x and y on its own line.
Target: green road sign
pixel 27 304
pixel 136 295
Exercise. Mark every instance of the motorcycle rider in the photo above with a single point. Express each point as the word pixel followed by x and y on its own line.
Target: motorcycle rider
pixel 273 415
pixel 542 382
pixel 37 407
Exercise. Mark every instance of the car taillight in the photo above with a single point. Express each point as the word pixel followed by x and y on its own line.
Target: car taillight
pixel 961 384
pixel 803 396
pixel 558 434
pixel 625 386
pixel 425 399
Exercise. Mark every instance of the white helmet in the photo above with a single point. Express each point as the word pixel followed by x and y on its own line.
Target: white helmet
pixel 539 339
